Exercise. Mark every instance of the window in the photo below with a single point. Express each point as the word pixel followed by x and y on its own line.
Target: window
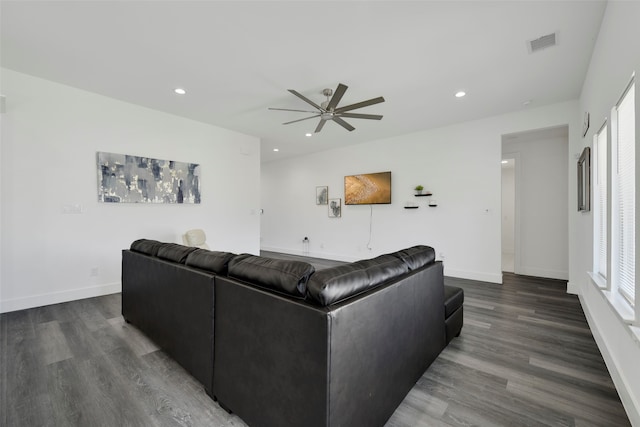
pixel 600 203
pixel 623 202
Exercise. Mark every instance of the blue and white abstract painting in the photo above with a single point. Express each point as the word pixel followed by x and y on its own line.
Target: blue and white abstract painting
pixel 133 179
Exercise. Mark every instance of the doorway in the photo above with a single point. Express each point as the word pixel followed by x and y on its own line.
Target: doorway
pixel 535 197
pixel 508 213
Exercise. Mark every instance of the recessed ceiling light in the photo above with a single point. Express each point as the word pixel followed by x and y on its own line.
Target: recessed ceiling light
pixel 504 162
pixel 180 91
pixel 276 149
pixel 308 135
pixel 460 94
pixel 527 102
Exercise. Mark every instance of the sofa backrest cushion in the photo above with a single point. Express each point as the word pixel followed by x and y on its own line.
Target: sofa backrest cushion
pixel 336 283
pixel 146 246
pixel 285 276
pixel 416 256
pixel 174 252
pixel 216 262
pixel 382 268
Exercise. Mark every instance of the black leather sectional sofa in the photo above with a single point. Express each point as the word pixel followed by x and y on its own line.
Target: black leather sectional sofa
pixel 280 344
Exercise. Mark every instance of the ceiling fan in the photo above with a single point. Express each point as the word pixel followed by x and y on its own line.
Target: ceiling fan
pixel 329 110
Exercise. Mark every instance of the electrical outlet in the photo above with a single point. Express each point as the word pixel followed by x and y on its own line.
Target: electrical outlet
pixel 95 272
pixel 441 255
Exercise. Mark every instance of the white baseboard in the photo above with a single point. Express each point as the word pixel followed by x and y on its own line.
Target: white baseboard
pixel 58 297
pixel 321 255
pixel 539 272
pixel 572 288
pixel 473 275
pixel 631 405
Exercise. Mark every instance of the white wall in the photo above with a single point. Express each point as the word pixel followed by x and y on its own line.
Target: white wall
pixel 460 164
pixel 615 58
pixel 543 193
pixel 50 136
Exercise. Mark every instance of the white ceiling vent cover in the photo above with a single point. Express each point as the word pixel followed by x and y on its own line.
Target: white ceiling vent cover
pixel 541 43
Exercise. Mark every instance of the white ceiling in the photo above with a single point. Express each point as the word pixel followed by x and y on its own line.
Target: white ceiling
pixel 237 58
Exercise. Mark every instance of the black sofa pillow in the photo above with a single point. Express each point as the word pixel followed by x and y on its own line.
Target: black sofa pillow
pixel 334 284
pixel 416 256
pixel 174 252
pixel 216 262
pixel 383 268
pixel 146 246
pixel 281 275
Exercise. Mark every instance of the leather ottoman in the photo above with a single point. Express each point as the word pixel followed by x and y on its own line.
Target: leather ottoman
pixel 453 304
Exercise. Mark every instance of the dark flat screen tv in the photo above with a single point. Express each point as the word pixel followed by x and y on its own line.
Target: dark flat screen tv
pixel 368 189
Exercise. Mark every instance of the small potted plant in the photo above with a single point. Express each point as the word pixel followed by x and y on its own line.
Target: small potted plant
pixel 419 189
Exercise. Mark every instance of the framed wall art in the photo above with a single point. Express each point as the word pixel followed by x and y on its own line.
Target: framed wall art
pixel 124 178
pixel 335 208
pixel 585 124
pixel 584 181
pixel 322 195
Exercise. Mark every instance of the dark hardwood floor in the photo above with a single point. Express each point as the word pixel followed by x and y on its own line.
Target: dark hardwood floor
pixel 526 357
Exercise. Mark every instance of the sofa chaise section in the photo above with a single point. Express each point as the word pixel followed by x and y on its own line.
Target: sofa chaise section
pixel 334 358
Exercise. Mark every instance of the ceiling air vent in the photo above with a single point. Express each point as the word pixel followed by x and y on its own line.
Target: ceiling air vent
pixel 541 43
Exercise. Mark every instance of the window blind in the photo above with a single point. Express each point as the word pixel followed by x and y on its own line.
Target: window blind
pixel 601 202
pixel 626 138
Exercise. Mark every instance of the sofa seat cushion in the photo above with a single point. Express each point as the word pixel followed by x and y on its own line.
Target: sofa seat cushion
pixel 174 252
pixel 453 300
pixel 146 246
pixel 382 268
pixel 416 256
pixel 334 284
pixel 285 276
pixel 216 262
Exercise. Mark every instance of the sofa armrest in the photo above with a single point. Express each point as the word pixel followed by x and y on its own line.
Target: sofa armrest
pixel 173 305
pixel 382 343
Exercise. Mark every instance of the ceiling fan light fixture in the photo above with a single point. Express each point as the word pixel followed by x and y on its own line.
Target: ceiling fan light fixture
pixel 329 110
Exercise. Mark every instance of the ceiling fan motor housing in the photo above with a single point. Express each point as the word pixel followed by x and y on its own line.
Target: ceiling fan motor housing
pixel 329 110
pixel 326 92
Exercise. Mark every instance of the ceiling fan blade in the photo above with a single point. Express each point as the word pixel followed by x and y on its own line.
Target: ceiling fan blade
pixel 320 125
pixel 361 116
pixel 305 99
pixel 360 105
pixel 337 96
pixel 299 120
pixel 288 109
pixel 342 123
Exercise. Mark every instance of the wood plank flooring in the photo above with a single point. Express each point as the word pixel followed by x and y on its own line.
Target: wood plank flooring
pixel 526 357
